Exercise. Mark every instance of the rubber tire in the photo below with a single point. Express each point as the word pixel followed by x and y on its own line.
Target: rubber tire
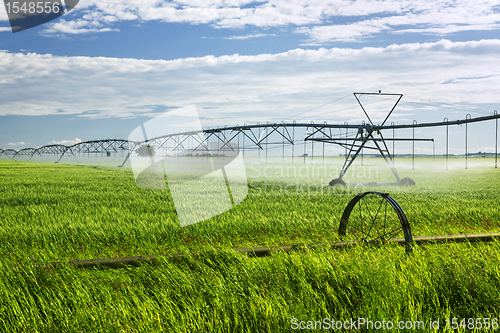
pixel 337 181
pixel 407 181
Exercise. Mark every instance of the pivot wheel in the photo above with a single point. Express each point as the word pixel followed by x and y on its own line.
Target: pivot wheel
pixel 375 217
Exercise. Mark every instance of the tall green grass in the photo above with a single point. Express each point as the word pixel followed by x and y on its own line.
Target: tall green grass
pixel 53 212
pixel 229 292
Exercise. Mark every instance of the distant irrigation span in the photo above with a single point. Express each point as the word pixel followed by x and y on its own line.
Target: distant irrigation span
pixel 258 139
pixel 91 148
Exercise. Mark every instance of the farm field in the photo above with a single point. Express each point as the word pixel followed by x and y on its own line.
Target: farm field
pixel 56 212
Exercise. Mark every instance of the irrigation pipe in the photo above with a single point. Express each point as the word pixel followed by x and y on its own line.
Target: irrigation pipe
pixel 267 250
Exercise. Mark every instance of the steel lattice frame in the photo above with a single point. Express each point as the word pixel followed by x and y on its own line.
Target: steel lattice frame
pixel 25 152
pixel 57 150
pixel 257 137
pixel 8 152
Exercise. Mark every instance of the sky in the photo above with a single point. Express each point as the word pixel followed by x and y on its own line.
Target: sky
pixel 109 65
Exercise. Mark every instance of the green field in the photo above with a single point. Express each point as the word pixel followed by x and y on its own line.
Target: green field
pixel 55 212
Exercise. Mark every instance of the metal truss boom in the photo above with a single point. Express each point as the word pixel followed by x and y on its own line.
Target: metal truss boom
pixel 261 137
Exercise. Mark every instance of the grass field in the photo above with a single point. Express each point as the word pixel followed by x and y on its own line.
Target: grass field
pixel 54 212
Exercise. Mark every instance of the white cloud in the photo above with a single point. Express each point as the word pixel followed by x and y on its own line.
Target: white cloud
pixel 16 144
pixel 321 20
pixel 65 142
pixel 440 19
pixel 240 88
pixel 3 14
pixel 342 32
pixel 258 35
pixel 76 27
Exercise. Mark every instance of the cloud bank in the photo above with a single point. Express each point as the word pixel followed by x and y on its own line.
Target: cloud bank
pixel 237 88
pixel 318 21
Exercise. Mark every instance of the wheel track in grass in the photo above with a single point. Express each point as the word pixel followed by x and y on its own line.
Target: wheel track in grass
pixel 267 250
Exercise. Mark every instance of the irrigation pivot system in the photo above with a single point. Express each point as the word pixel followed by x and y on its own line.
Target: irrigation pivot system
pixel 89 148
pixel 369 216
pixel 258 139
pixel 261 138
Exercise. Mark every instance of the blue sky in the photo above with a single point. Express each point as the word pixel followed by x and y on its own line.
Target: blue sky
pixel 107 66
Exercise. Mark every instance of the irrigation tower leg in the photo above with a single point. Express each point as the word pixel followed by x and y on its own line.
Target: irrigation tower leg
pixel 349 160
pixel 393 156
pixel 446 119
pixel 283 143
pixel 323 152
pixel 413 153
pixel 346 134
pixel 468 116
pixel 434 151
pixel 259 149
pixel 312 150
pixel 496 139
pixel 266 144
pixel 390 161
pixel 126 157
